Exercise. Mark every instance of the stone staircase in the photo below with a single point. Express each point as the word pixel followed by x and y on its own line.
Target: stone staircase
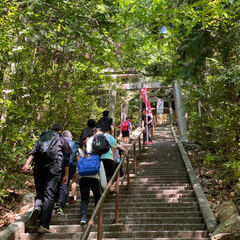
pixel 161 203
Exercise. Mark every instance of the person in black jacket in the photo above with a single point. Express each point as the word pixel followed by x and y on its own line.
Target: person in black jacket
pixel 87 133
pixel 105 122
pixel 47 178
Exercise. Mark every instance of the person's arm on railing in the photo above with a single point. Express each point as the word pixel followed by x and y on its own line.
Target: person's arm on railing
pixel 123 149
pixel 114 154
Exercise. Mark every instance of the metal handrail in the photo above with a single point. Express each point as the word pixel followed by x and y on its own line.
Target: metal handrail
pixel 98 210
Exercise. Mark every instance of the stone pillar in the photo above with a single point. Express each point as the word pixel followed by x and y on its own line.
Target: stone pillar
pixel 140 111
pixel 170 108
pixel 124 110
pixel 182 124
pixel 112 103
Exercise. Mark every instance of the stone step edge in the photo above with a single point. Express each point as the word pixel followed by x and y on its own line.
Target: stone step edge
pixel 206 210
pixel 137 218
pixel 128 224
pixel 26 234
pixel 17 228
pixel 117 232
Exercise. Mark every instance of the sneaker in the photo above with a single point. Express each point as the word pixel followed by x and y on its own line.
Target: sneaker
pixel 112 192
pixel 71 200
pixel 83 221
pixel 43 230
pixel 35 214
pixel 60 211
pixel 55 206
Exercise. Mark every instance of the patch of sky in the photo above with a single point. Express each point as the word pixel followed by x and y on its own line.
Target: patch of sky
pixel 163 30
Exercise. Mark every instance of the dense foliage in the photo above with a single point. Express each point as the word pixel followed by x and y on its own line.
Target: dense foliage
pixel 53 54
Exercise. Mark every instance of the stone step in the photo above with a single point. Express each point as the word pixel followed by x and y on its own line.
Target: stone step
pixel 132 196
pixel 28 237
pixel 156 184
pixel 156 238
pixel 169 235
pixel 162 205
pixel 142 234
pixel 160 174
pixel 64 220
pixel 155 187
pixel 178 170
pixel 152 185
pixel 160 181
pixel 153 234
pixel 144 200
pixel 112 199
pixel 126 210
pixel 157 205
pixel 153 205
pixel 134 215
pixel 160 162
pixel 129 227
pixel 143 191
pixel 145 205
pixel 139 172
pixel 155 171
pixel 163 180
pixel 156 195
pixel 160 191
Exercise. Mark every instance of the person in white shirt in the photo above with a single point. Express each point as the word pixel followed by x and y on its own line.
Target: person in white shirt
pixel 91 182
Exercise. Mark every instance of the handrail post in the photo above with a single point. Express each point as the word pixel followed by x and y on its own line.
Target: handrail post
pixel 134 158
pixel 128 175
pixel 117 198
pixel 139 148
pixel 100 223
pixel 143 142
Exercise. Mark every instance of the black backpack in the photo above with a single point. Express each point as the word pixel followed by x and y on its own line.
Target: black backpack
pixel 47 146
pixel 100 144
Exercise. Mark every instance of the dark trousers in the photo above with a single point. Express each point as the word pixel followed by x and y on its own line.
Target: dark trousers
pixel 86 184
pixel 62 193
pixel 46 184
pixel 149 134
pixel 109 167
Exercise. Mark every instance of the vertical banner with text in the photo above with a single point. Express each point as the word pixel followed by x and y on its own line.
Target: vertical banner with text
pixel 143 92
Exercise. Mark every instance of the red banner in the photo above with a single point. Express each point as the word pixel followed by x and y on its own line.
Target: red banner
pixel 143 92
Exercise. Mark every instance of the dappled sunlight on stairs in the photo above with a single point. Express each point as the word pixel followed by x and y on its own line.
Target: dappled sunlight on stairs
pixel 161 203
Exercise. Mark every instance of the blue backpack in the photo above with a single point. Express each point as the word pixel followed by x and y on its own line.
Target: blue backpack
pixel 88 165
pixel 74 147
